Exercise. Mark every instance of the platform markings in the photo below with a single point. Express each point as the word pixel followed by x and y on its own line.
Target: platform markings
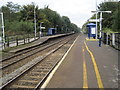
pixel 99 80
pixel 57 66
pixel 85 82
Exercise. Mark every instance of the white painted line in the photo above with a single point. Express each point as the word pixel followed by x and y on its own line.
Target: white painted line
pixel 55 69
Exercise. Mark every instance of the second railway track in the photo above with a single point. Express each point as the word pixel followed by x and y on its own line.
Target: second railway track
pixel 17 57
pixel 21 56
pixel 26 54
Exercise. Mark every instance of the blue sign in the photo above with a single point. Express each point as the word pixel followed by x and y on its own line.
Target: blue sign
pixel 51 31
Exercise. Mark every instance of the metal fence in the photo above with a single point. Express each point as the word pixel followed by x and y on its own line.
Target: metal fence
pixel 112 39
pixel 16 40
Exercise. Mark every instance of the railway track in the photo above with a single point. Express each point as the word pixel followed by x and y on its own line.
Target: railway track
pixel 24 55
pixel 29 49
pixel 18 57
pixel 45 66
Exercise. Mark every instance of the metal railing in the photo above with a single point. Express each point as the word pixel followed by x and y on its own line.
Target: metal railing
pixel 16 40
pixel 112 39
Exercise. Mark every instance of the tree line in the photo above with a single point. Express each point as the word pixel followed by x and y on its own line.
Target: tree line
pixel 20 19
pixel 111 21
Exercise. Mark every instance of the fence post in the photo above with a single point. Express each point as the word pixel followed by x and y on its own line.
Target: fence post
pixel 28 38
pixel 110 38
pixel 16 41
pixel 113 39
pixel 118 40
pixel 107 38
pixel 7 41
pixel 24 39
pixel 104 38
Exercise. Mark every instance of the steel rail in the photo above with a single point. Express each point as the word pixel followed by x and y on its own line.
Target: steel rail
pixel 26 70
pixel 24 51
pixel 28 55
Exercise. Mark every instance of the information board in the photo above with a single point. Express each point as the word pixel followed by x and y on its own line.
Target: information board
pixel 92 30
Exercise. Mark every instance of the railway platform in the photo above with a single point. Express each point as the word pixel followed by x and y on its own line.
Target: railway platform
pixel 86 65
pixel 36 42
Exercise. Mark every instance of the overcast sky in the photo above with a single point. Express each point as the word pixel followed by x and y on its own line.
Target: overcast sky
pixel 78 11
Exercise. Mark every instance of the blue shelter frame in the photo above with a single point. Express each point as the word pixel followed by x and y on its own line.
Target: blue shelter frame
pixel 91 30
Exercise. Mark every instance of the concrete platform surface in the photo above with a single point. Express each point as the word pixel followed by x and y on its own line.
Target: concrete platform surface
pixel 83 68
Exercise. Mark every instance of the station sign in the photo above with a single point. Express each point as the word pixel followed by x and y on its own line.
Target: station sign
pixel 94 20
pixel 42 27
pixel 111 0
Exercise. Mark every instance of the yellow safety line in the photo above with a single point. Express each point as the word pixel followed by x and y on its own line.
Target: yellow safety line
pixel 99 81
pixel 85 82
pixel 91 39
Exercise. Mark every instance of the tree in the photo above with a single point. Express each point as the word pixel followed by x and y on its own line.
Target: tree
pixel 20 19
pixel 67 22
pixel 11 11
pixel 108 19
pixel 27 13
pixel 116 16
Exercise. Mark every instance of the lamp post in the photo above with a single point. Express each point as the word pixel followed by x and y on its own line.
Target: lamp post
pixel 101 12
pixel 96 21
pixel 3 31
pixel 35 21
pixel 100 37
pixel 96 26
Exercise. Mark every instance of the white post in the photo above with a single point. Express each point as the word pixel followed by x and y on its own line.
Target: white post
pixel 62 28
pixel 3 31
pixel 56 29
pixel 107 38
pixel 40 29
pixel 96 25
pixel 96 19
pixel 100 24
pixel 100 37
pixel 113 39
pixel 34 21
